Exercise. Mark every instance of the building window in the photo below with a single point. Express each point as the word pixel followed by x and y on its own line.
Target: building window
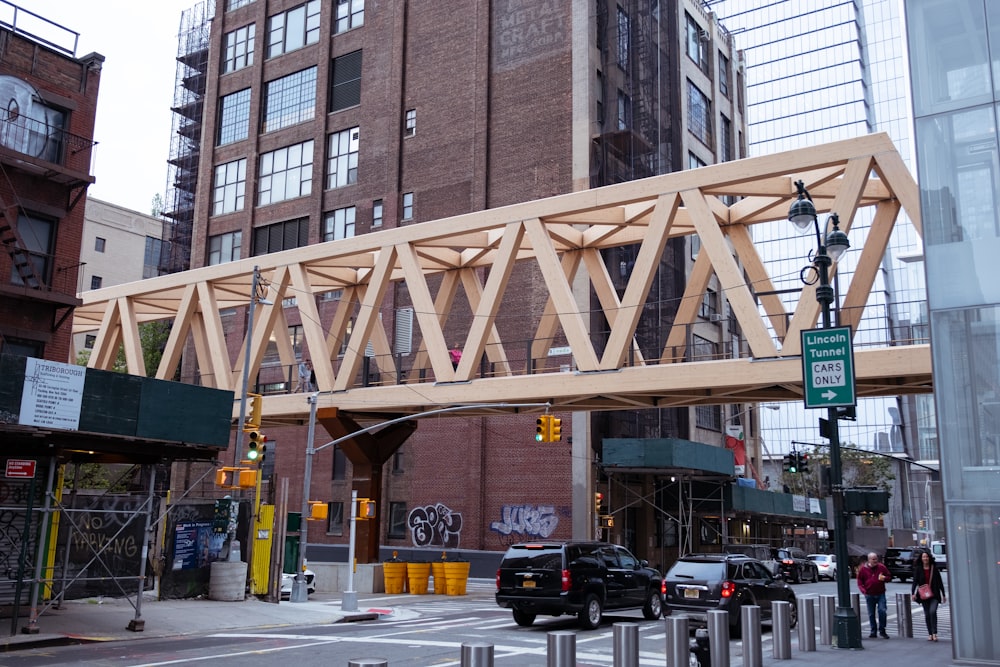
pixel 699 114
pixel 346 89
pixel 407 206
pixel 289 100
pixel 696 42
pixel 239 49
pixel 709 304
pixel 624 111
pixel 88 341
pixel 95 282
pixel 229 192
pixel 342 158
pixel 38 234
pixel 99 244
pixel 293 29
pixel 726 139
pixel 410 124
pixel 708 416
pixel 703 349
pixel 234 117
pixel 339 224
pixel 151 258
pixel 397 461
pixel 397 520
pixel 281 236
pixel 285 173
pixel 224 247
pixel 723 74
pixel 23 347
pixel 295 336
pixel 339 472
pixel 350 14
pixel 600 98
pixel 236 4
pixel 623 39
pixel 377 213
pixel 335 518
pixel 694 161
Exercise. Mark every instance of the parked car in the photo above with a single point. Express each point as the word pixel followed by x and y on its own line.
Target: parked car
pixel 699 583
pixel 900 561
pixel 796 566
pixel 288 579
pixel 765 553
pixel 826 565
pixel 940 552
pixel 582 578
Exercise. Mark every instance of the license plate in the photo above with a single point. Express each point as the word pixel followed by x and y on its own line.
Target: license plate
pixel 527 584
pixel 691 593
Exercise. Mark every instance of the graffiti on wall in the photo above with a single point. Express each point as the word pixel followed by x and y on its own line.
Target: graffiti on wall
pixel 526 521
pixel 435 526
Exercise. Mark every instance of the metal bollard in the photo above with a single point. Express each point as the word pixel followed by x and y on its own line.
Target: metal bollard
pixel 625 639
pixel 561 649
pixel 827 605
pixel 781 634
pixel 807 624
pixel 753 651
pixel 718 637
pixel 677 641
pixel 477 655
pixel 368 662
pixel 904 615
pixel 856 603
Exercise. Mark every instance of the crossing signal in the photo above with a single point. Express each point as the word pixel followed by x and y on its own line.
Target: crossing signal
pixel 366 508
pixel 555 429
pixel 256 445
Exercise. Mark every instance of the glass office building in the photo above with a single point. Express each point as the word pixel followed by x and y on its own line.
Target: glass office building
pixel 955 72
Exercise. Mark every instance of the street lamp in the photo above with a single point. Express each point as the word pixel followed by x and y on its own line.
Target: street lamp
pixel 847 627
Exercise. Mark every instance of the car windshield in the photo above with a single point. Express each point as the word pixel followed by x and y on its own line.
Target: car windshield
pixel 549 558
pixel 689 569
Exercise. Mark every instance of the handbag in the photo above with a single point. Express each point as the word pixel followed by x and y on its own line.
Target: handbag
pixel 924 592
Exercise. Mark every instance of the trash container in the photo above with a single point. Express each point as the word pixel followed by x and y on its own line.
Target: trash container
pixel 417 575
pixel 437 570
pixel 456 576
pixel 394 573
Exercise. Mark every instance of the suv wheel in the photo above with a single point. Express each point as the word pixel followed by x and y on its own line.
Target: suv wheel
pixel 590 615
pixel 793 613
pixel 653 608
pixel 523 618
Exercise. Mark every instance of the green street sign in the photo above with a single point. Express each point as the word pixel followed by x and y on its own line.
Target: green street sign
pixel 828 368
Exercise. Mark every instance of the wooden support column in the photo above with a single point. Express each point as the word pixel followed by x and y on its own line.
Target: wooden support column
pixel 368 453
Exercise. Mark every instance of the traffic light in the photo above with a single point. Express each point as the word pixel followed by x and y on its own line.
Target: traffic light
pixel 256 445
pixel 791 462
pixel 318 510
pixel 804 464
pixel 256 411
pixel 598 502
pixel 543 427
pixel 555 429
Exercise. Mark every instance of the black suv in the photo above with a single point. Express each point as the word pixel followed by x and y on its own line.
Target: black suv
pixel 900 561
pixel 699 583
pixel 796 565
pixel 583 578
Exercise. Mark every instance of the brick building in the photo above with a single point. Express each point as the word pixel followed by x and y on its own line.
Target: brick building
pixel 322 121
pixel 46 139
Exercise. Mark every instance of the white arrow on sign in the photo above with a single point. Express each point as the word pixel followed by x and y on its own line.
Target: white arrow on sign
pixel 829 394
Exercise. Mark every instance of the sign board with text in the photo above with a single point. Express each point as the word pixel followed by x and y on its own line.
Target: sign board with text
pixel 828 368
pixel 20 468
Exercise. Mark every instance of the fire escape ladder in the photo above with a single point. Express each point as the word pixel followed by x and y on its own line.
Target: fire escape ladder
pixel 12 242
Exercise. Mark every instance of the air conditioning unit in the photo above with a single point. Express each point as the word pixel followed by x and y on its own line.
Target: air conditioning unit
pixel 716 317
pixel 704 35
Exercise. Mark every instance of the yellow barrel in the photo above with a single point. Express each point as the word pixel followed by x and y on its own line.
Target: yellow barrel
pixel 417 575
pixel 437 569
pixel 395 577
pixel 456 575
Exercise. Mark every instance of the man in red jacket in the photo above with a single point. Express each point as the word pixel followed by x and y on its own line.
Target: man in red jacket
pixel 872 577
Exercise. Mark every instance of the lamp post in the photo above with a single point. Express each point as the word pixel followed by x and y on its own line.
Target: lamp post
pixel 847 627
pixel 255 298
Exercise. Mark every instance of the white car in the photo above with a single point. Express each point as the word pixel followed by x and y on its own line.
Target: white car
pixel 826 565
pixel 288 579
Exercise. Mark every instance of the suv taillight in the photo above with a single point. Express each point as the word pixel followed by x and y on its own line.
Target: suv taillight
pixel 498 579
pixel 788 561
pixel 663 587
pixel 567 580
pixel 728 588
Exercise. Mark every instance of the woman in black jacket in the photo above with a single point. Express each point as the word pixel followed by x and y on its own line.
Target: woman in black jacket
pixel 926 573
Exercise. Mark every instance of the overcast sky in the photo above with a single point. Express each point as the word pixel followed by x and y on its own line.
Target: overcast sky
pixel 138 39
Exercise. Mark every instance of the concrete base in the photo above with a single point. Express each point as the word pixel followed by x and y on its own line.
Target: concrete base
pixel 300 591
pixel 136 625
pixel 332 577
pixel 349 601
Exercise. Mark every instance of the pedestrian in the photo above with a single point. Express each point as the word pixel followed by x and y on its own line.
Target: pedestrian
pixel 303 375
pixel 456 355
pixel 927 574
pixel 312 376
pixel 872 577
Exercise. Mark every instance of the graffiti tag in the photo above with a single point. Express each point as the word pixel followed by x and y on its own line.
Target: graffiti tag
pixel 528 520
pixel 435 526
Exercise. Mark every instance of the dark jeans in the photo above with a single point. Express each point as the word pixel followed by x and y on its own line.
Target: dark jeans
pixel 876 602
pixel 930 615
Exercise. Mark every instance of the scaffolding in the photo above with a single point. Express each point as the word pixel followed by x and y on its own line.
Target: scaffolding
pixel 185 136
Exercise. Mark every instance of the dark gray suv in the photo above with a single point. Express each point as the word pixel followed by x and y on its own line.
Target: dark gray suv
pixel 583 578
pixel 699 583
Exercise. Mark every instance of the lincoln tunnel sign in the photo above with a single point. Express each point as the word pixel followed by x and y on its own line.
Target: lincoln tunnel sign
pixel 828 368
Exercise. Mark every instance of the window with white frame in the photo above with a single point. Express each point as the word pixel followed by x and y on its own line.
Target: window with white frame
pixel 285 173
pixel 239 48
pixel 339 224
pixel 229 190
pixel 289 100
pixel 281 236
pixel 410 124
pixel 708 416
pixel 350 14
pixel 224 247
pixel 407 206
pixel 694 161
pixel 234 117
pixel 378 211
pixel 293 29
pixel 696 42
pixel 342 158
pixel 345 91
